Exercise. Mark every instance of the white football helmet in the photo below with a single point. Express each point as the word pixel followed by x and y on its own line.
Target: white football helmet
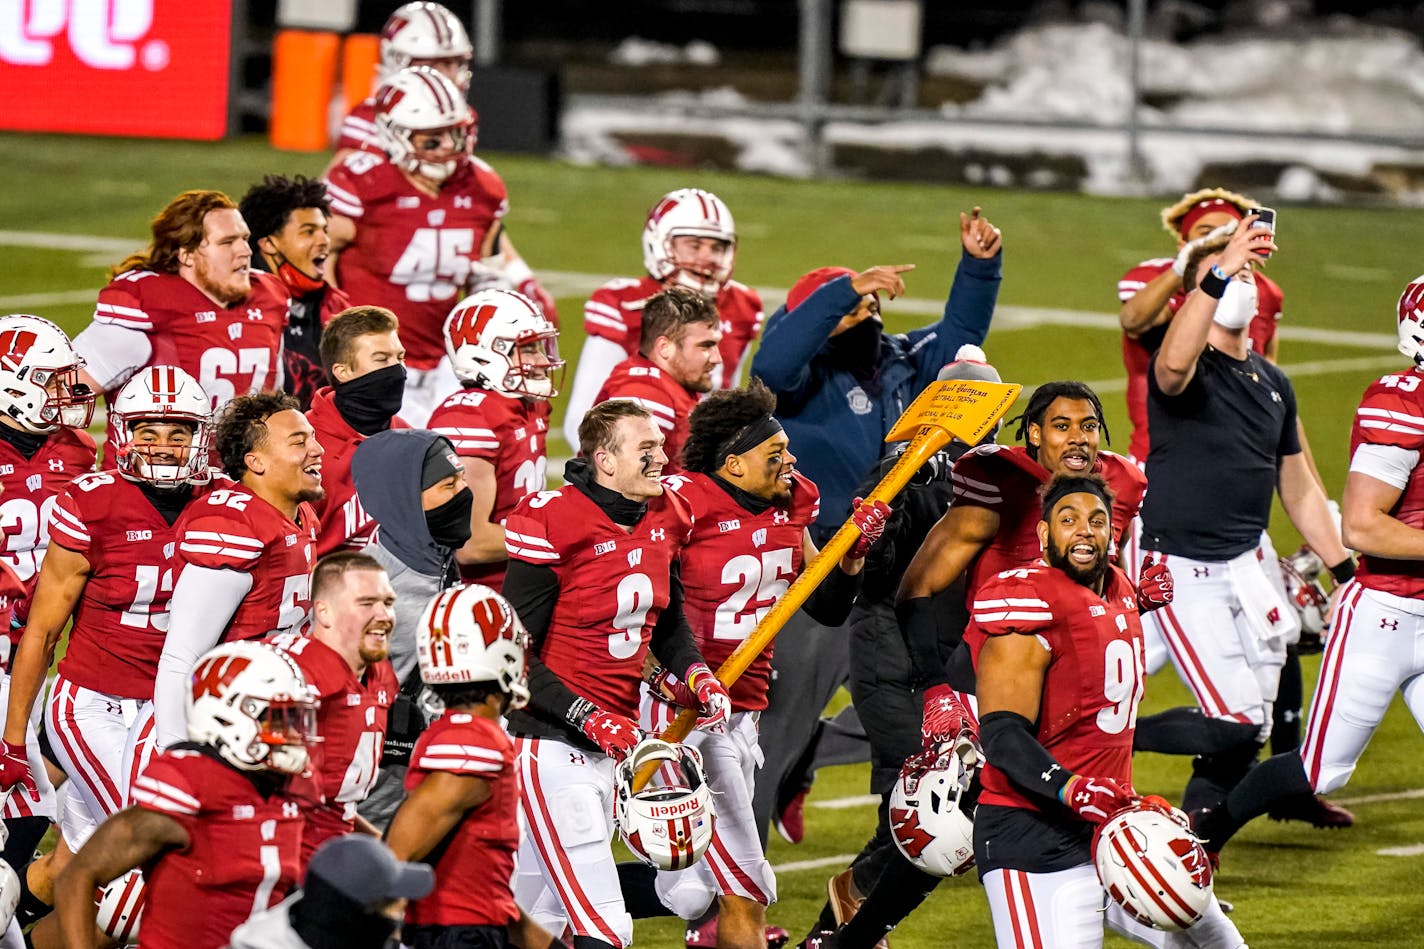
pixel 251 702
pixel 417 102
pixel 669 823
pixel 39 376
pixel 469 633
pixel 488 336
pixel 930 820
pixel 1304 591
pixel 689 212
pixel 422 32
pixel 163 394
pixel 1153 866
pixel 121 907
pixel 1411 320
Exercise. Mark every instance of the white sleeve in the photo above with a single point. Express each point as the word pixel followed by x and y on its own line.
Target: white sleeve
pixel 203 603
pixel 595 364
pixel 113 353
pixel 1388 463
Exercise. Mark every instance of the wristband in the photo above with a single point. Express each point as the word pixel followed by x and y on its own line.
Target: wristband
pixel 1344 570
pixel 579 711
pixel 1214 283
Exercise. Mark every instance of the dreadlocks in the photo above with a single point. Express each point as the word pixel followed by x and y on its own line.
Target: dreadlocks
pixel 1043 397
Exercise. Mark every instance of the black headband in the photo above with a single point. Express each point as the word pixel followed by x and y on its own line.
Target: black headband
pixel 749 436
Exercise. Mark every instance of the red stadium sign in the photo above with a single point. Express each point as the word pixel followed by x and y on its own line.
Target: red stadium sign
pixel 153 68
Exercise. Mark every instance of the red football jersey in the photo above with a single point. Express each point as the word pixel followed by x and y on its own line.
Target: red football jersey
pixel 613 586
pixel 11 592
pixel 1006 480
pixel 345 525
pixel 1088 710
pixel 29 488
pixel 230 351
pixel 509 434
pixel 352 724
pixel 234 529
pixel 122 618
pixel 736 565
pixel 615 312
pixel 638 379
pixel 1137 352
pixel 1391 414
pixel 242 855
pixel 474 876
pixel 413 253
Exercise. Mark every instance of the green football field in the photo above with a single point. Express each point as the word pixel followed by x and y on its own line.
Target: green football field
pixel 71 207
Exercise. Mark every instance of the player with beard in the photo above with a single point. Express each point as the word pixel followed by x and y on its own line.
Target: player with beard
pixel 287 217
pixel 751 512
pixel 190 299
pixel 344 661
pixel 245 552
pixel 1058 654
pixel 676 357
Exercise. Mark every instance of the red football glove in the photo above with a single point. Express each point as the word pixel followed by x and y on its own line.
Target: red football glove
pixel 714 705
pixel 945 716
pixel 1154 585
pixel 15 770
pixel 1095 799
pixel 670 688
pixel 535 291
pixel 614 735
pixel 870 517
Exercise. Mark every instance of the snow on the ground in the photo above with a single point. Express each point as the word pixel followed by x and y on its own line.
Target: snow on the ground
pixel 1335 76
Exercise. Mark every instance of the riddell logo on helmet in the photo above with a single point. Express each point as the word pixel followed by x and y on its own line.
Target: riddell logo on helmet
pixel 680 809
pixel 102 34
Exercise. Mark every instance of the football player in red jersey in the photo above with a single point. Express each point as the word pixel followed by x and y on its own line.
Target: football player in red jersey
pixel 244 552
pixel 362 351
pixel 416 34
pixel 507 356
pixel 591 574
pixel 110 569
pixel 213 824
pixel 190 299
pixel 674 364
pixel 463 791
pixel 749 541
pixel 1057 648
pixel 421 224
pixel 43 412
pixel 344 661
pixel 689 240
pixel 287 217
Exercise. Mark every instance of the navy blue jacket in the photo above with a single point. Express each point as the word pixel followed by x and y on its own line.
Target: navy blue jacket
pixel 836 425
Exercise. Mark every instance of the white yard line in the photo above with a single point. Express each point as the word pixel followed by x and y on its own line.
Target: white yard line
pixel 38 301
pixel 845 803
pixel 1413 850
pixel 1412 794
pixel 839 860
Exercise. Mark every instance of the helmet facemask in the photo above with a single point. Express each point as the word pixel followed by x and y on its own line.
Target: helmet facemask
pixel 69 404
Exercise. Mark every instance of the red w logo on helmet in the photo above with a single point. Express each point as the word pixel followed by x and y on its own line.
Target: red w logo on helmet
pixel 389 97
pixel 212 674
pixel 466 328
pixel 14 344
pixel 913 838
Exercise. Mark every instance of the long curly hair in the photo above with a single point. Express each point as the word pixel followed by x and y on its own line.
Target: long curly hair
pixel 717 420
pixel 178 227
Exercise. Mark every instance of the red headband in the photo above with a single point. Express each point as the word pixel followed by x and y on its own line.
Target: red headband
pixel 1202 208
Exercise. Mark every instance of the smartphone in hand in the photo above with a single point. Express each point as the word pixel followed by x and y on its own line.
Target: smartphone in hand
pixel 1266 218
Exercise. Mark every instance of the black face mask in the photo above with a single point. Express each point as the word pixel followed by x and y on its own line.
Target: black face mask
pixel 369 402
pixel 449 524
pixel 857 350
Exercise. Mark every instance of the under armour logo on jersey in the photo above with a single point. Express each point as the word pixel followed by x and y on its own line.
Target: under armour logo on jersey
pixel 291 809
pixel 436 217
pixel 206 316
pixel 781 517
pixel 1201 571
pixel 234 331
pixel 56 464
pixel 33 482
pixel 1386 623
pixel 759 537
pixel 463 201
pixel 635 557
pixel 254 313
pixel 1275 396
pixel 576 757
pixel 658 533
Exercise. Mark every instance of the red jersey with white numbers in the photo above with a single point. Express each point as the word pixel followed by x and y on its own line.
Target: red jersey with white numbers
pixel 1006 480
pixel 486 839
pixel 638 379
pixel 231 351
pixel 1088 709
pixel 509 434
pixel 613 586
pixel 122 618
pixel 28 491
pixel 615 312
pixel 242 855
pixel 233 529
pixel 345 525
pixel 736 565
pixel 1391 415
pixel 351 721
pixel 1137 352
pixel 413 253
